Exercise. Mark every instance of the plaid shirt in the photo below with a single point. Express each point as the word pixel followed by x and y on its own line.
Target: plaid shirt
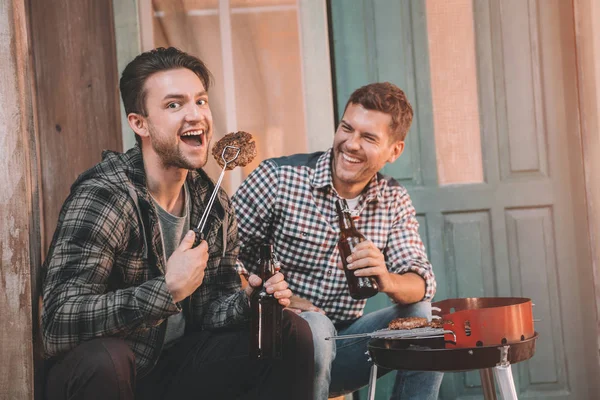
pixel 291 202
pixel 105 267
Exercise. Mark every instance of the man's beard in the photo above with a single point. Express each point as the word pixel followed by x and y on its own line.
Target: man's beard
pixel 170 154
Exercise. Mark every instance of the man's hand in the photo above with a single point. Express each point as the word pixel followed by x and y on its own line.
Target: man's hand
pixel 274 285
pixel 299 304
pixel 185 267
pixel 368 260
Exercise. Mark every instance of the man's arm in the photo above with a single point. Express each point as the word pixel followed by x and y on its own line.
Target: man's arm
pixel 76 304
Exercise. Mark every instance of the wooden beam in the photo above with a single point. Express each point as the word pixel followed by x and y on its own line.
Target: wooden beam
pixel 18 205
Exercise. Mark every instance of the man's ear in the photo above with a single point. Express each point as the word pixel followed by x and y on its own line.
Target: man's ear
pixel 397 149
pixel 138 124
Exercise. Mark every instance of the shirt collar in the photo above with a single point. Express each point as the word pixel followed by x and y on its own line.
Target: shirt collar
pixel 322 178
pixel 322 175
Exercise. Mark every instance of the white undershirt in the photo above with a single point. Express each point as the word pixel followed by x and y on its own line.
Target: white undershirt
pixel 353 203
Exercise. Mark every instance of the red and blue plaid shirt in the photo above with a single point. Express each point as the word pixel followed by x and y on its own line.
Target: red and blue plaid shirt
pixel 291 202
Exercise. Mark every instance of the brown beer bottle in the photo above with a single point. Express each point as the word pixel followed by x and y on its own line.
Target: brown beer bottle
pixel 360 287
pixel 266 313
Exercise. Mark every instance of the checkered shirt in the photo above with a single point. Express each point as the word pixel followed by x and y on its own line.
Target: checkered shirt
pixel 291 202
pixel 105 267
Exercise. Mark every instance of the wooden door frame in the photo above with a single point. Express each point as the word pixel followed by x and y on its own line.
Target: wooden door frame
pixel 587 47
pixel 19 208
pixel 26 82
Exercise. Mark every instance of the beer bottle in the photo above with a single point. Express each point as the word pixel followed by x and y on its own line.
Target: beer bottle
pixel 266 313
pixel 360 287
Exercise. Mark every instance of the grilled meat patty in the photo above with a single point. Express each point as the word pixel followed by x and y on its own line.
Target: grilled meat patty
pixel 408 323
pixel 243 141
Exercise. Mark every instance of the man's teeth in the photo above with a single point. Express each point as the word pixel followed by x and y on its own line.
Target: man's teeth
pixel 350 159
pixel 194 133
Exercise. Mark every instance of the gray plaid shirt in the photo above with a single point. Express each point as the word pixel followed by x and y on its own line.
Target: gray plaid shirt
pixel 105 267
pixel 291 201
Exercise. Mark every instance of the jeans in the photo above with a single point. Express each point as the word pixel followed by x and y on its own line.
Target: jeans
pixel 342 366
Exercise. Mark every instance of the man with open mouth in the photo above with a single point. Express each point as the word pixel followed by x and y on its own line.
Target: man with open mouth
pixel 130 307
pixel 290 201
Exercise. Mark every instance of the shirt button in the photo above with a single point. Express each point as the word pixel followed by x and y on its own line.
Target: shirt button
pixel 303 233
pixel 329 271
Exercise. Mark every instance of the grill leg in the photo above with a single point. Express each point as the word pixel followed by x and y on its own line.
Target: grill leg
pixel 373 382
pixel 487 383
pixel 506 384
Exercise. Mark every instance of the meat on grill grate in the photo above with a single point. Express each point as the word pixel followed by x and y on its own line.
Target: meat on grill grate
pixel 408 323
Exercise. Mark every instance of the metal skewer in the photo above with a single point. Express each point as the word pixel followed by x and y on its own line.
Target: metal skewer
pixel 200 228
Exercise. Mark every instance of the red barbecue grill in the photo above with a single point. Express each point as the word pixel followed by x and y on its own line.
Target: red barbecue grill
pixel 486 333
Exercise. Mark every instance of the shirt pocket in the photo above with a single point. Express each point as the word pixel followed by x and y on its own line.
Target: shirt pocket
pixel 311 230
pixel 305 243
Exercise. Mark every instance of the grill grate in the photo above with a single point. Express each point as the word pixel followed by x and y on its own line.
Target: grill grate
pixel 416 333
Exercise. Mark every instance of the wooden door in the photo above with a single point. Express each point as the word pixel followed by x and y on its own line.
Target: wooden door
pixel 506 218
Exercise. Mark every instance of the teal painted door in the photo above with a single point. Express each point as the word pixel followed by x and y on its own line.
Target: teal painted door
pixel 521 230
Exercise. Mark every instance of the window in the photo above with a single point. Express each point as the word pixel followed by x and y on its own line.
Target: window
pixel 272 73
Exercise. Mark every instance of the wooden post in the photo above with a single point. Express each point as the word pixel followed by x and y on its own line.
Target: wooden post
pixel 19 215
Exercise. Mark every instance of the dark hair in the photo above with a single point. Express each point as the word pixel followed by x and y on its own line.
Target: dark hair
pixel 387 98
pixel 137 72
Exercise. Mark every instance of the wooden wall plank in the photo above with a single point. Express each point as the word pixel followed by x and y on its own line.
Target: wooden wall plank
pixel 469 263
pixel 533 268
pixel 524 121
pixel 353 48
pixel 469 258
pixel 17 213
pixel 77 91
pixel 393 48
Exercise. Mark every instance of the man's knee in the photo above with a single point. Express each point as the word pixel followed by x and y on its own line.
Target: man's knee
pixel 298 329
pixel 106 363
pixel 116 357
pixel 321 327
pixel 421 309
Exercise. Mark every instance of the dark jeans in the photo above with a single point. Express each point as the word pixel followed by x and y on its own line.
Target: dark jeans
pixel 202 365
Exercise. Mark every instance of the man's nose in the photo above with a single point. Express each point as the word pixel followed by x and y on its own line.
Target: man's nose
pixel 193 113
pixel 353 141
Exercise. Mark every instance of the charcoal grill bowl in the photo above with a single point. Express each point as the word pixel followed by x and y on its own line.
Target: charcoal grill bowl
pixel 431 355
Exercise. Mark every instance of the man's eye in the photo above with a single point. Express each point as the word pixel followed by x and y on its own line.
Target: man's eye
pixel 202 102
pixel 173 105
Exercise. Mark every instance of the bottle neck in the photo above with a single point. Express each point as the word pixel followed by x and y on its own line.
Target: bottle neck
pixel 267 269
pixel 344 217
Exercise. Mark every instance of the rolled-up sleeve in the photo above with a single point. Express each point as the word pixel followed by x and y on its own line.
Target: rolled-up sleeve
pixel 404 250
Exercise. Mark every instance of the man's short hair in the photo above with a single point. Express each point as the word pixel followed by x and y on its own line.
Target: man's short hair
pixel 137 72
pixel 387 98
